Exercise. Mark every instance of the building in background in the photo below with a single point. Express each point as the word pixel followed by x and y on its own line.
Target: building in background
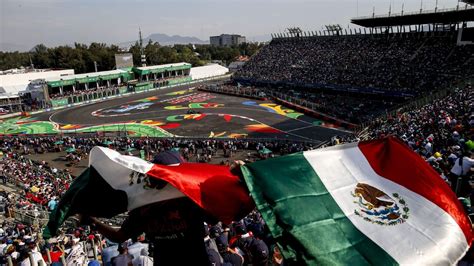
pixel 14 81
pixel 227 40
pixel 24 85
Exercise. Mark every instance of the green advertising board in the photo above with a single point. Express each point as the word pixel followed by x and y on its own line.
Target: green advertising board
pixel 59 83
pixel 87 79
pixel 143 86
pixel 59 102
pixel 179 80
pixel 159 69
pixel 123 90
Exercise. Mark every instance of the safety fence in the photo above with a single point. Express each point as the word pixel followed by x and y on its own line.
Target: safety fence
pixel 309 108
pixel 298 104
pixel 37 218
pixel 234 91
pixel 124 134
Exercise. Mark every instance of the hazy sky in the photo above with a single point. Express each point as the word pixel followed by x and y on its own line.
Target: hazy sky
pixel 54 22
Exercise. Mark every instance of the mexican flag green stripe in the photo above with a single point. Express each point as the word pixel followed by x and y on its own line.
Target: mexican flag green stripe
pixel 374 202
pixel 304 218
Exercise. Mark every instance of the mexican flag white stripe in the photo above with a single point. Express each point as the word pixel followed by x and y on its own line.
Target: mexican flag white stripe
pixel 116 169
pixel 428 236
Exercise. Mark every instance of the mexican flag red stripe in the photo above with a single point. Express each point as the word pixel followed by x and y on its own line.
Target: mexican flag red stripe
pixel 386 158
pixel 213 187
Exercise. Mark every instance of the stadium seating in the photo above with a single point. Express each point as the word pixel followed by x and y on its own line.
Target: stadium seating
pixel 394 65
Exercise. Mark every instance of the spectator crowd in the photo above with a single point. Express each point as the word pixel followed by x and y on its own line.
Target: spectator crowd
pixel 412 63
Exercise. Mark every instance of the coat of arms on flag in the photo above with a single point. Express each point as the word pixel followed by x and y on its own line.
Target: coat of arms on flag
pixel 377 207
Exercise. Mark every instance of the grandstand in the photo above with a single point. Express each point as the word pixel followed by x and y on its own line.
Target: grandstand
pixel 392 62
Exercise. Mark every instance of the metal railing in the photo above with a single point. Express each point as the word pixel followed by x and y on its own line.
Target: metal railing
pixel 37 218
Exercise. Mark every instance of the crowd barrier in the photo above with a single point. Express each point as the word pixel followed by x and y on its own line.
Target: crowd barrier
pixel 311 112
pixel 37 218
pixel 237 92
pixel 291 102
pixel 319 86
pixel 123 134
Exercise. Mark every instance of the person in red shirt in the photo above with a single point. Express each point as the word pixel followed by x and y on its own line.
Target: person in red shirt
pixel 55 252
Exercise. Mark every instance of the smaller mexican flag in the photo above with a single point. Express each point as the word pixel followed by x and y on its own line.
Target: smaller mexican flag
pixel 373 202
pixel 116 183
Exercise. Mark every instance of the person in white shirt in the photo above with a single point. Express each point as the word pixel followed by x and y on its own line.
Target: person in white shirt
pixel 464 167
pixel 461 168
pixel 143 259
pixel 37 258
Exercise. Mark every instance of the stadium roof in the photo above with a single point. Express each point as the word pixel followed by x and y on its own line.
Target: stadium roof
pixel 208 71
pixel 87 77
pixel 15 83
pixel 445 16
pixel 161 68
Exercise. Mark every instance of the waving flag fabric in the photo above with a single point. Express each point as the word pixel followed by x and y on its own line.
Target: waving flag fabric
pixel 368 203
pixel 116 183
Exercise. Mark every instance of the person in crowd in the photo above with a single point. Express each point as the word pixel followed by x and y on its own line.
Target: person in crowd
pixel 123 259
pixel 143 259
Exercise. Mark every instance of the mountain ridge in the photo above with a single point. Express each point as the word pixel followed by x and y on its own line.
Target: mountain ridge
pixel 165 39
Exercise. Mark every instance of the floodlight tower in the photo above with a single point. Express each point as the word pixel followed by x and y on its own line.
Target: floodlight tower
pixel 142 52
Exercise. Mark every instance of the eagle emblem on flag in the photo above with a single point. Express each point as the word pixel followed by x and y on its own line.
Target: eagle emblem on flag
pixel 377 207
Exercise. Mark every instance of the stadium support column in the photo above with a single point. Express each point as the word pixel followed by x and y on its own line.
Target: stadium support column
pixel 61 90
pixel 74 88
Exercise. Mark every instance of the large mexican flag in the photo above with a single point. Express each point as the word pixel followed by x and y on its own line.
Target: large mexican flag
pixel 115 183
pixel 373 202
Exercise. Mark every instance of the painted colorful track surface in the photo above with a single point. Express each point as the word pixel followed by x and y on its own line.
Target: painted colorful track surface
pixel 181 111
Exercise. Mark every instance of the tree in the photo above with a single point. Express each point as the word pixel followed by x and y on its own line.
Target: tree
pixel 41 56
pixel 81 57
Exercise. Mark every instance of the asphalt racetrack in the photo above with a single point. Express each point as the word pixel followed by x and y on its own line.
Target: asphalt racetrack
pixel 187 112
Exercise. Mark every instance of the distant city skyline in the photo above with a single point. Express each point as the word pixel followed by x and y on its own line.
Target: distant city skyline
pixel 26 23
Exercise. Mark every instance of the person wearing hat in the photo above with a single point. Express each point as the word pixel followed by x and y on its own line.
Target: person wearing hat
pixel 55 251
pixel 173 226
